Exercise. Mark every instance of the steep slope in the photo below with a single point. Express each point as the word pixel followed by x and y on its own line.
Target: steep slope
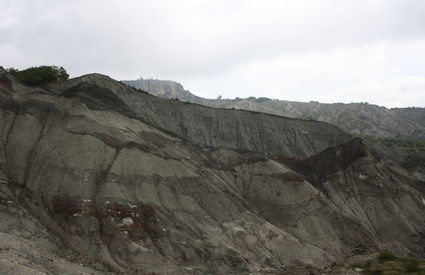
pixel 239 130
pixel 27 247
pixel 356 118
pixel 145 184
pixel 415 114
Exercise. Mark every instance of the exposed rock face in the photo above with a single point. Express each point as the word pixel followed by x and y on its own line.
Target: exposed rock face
pixel 414 114
pixel 141 183
pixel 164 88
pixel 27 247
pixel 239 130
pixel 356 118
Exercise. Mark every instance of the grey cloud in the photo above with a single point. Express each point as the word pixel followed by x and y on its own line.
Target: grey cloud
pixel 184 39
pixel 157 36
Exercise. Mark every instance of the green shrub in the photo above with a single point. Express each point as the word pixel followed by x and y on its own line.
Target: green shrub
pixel 36 76
pixel 388 264
pixel 411 266
pixel 386 256
pixel 373 272
pixel 366 265
pixel 397 142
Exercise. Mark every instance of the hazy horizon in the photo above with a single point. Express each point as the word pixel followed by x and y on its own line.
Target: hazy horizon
pixel 347 51
pixel 246 97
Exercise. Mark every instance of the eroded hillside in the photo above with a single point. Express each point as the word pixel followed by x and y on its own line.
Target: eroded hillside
pixel 137 183
pixel 355 118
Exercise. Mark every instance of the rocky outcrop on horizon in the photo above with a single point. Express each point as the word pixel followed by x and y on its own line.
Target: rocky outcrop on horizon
pixel 356 118
pixel 163 88
pixel 131 182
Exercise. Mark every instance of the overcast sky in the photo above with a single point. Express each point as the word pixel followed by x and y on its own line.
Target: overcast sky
pixel 324 50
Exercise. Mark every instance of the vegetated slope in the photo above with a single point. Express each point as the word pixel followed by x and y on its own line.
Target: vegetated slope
pixel 356 118
pixel 145 184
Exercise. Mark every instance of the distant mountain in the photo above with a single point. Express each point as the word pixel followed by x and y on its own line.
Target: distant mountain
pixel 163 88
pixel 356 118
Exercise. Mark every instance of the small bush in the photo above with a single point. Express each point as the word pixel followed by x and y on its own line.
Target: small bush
pixel 36 76
pixel 374 272
pixel 386 256
pixel 411 266
pixel 366 265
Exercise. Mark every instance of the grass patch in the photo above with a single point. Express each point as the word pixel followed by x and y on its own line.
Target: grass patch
pixel 412 266
pixel 388 264
pixel 386 256
pixel 397 142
